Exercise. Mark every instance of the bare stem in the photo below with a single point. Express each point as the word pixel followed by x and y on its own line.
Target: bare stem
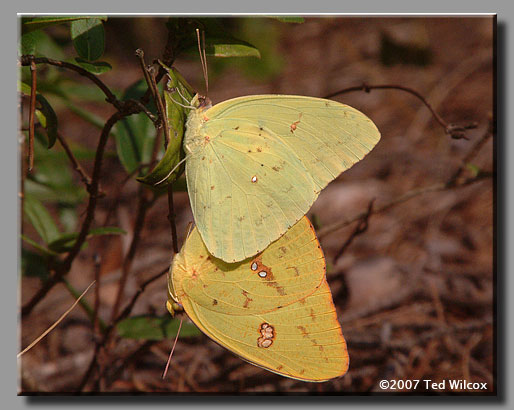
pixel 65 267
pixel 455 131
pixel 142 207
pixel 171 218
pixel 32 112
pixel 111 98
pixel 76 165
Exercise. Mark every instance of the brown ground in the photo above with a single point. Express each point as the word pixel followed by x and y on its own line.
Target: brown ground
pixel 414 292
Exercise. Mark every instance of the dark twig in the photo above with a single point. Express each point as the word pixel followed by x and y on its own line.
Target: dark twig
pixel 454 130
pixel 86 224
pixel 148 113
pixel 111 98
pixel 152 84
pixel 142 207
pixel 327 230
pixel 361 227
pixel 473 152
pixel 168 59
pixel 96 307
pixel 124 314
pixel 449 184
pixel 171 218
pixel 32 112
pixel 76 165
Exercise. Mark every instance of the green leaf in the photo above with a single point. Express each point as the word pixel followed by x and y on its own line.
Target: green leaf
pixel 34 264
pixel 97 67
pixel 53 179
pixel 28 43
pixel 42 250
pixel 168 169
pixel 88 38
pixel 289 19
pixel 24 88
pixel 40 219
pixel 44 113
pixel 71 90
pixel 94 119
pixel 135 135
pixel 154 328
pixel 264 34
pixel 38 23
pixel 226 47
pixel 218 41
pixel 66 241
pixel 68 217
pixel 47 118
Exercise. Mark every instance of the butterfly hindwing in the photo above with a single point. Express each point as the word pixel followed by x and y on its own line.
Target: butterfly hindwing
pixel 274 310
pixel 247 188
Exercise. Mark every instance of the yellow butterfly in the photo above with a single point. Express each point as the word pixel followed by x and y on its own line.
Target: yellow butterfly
pixel 274 310
pixel 256 164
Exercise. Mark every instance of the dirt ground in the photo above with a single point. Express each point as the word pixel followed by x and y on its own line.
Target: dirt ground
pixel 414 292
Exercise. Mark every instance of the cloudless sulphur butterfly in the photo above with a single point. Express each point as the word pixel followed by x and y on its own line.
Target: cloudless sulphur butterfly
pixel 274 310
pixel 256 164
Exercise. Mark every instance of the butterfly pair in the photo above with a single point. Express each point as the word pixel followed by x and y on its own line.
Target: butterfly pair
pixel 251 275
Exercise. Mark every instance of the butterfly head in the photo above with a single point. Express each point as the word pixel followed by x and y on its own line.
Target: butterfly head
pixel 201 102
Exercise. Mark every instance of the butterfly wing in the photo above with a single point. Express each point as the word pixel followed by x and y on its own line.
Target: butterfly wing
pixel 274 310
pixel 246 188
pixel 328 137
pixel 257 164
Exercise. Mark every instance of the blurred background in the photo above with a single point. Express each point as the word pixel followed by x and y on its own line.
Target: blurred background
pixel 413 291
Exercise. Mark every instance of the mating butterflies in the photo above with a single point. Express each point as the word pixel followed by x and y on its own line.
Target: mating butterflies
pixel 256 164
pixel 274 310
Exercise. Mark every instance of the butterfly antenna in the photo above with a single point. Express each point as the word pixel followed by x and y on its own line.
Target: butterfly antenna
pixel 172 171
pixel 203 58
pixel 184 98
pixel 182 105
pixel 173 348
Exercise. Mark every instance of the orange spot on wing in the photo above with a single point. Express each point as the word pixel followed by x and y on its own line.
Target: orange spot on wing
pixel 294 124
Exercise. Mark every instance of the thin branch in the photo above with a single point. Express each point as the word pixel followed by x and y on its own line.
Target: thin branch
pixel 473 152
pixel 171 218
pixel 125 313
pixel 327 230
pixel 168 59
pixel 142 207
pixel 96 307
pixel 152 84
pixel 76 165
pixel 449 184
pixel 143 108
pixel 32 112
pixel 111 98
pixel 65 267
pixel 361 228
pixel 35 342
pixel 455 131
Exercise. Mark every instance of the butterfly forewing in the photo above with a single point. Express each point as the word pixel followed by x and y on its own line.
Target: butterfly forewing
pixel 327 136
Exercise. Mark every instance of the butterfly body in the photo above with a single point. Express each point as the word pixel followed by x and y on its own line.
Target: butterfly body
pixel 257 163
